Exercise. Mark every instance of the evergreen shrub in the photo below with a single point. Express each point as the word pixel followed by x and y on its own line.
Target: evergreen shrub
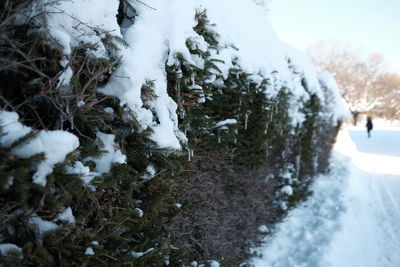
pixel 204 202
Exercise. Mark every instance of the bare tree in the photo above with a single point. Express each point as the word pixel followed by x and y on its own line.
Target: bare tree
pixel 388 89
pixel 356 74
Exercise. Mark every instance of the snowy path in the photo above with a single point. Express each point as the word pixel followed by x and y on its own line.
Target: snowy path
pixel 353 217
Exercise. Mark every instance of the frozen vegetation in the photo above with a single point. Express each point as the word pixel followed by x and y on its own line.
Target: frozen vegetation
pixel 156 132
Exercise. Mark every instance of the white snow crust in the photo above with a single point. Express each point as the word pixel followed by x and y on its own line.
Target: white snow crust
pixel 225 122
pixel 6 248
pixel 150 173
pixel 66 216
pixel 112 153
pixel 160 31
pixel 42 226
pixel 139 212
pixel 263 229
pixel 56 145
pixel 84 171
pixel 72 22
pixel 89 251
pixel 214 263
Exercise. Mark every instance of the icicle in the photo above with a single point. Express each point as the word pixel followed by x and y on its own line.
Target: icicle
pixel 297 166
pixel 219 139
pixel 182 115
pixel 179 74
pixel 189 154
pixel 245 122
pixel 192 78
pixel 178 83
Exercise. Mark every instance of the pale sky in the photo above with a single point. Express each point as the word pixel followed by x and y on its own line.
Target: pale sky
pixel 373 25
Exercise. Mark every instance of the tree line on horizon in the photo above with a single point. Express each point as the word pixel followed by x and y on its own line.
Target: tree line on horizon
pixel 364 80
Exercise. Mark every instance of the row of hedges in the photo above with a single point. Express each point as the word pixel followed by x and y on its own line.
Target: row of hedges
pixel 203 203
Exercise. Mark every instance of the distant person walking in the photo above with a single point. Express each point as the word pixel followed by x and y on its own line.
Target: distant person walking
pixel 369 126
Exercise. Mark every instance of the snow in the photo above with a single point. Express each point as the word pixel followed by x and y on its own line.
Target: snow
pixel 56 145
pixel 75 21
pixel 380 134
pixel 109 110
pixel 259 51
pixel 11 129
pixel 352 217
pixel 80 103
pixel 84 171
pixel 139 212
pixel 225 122
pixel 287 189
pixel 263 3
pixel 253 45
pixel 66 216
pixel 89 251
pixel 111 154
pixel 137 255
pixel 65 77
pixel 42 226
pixel 214 263
pixel 144 60
pixel 333 100
pixel 370 229
pixel 150 172
pixel 7 248
pixel 254 35
pixel 263 229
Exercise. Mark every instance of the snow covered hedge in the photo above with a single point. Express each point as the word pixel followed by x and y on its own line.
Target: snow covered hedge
pixel 132 132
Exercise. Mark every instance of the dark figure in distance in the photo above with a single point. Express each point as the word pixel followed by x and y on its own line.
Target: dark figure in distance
pixel 369 126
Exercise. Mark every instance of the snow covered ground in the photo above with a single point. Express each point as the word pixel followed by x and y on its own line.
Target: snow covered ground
pixel 353 218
